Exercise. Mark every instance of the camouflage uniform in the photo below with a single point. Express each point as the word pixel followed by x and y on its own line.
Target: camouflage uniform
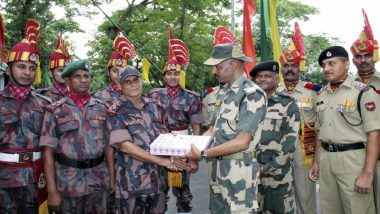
pixel 304 188
pixel 233 188
pixel 183 109
pixel 275 153
pixel 108 95
pixel 140 186
pixel 78 135
pixel 20 129
pixel 51 92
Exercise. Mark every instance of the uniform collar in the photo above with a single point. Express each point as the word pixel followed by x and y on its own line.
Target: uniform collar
pixel 376 75
pixel 282 88
pixel 348 83
pixel 235 87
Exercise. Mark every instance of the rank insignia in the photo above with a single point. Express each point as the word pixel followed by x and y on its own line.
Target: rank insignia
pixel 370 106
pixel 218 102
pixel 65 119
pixel 98 117
pixel 133 122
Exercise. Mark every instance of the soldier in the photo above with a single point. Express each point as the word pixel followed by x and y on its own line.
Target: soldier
pixel 349 130
pixel 236 130
pixel 22 183
pixel 120 58
pixel 366 53
pixel 278 143
pixel 134 122
pixel 57 62
pixel 184 108
pixel 74 138
pixel 292 64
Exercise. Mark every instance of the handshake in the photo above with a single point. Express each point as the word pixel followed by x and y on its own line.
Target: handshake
pixel 181 164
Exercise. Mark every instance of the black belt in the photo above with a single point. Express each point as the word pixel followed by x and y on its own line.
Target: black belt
pixel 342 147
pixel 82 164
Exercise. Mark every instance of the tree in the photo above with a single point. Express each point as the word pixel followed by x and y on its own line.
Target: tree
pixel 18 11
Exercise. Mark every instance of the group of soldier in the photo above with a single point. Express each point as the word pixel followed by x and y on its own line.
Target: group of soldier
pixel 272 140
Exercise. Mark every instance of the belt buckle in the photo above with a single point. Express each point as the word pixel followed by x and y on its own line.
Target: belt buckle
pixel 86 163
pixel 331 148
pixel 25 157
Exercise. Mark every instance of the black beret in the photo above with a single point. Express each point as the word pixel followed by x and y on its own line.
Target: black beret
pixel 333 51
pixel 82 64
pixel 269 65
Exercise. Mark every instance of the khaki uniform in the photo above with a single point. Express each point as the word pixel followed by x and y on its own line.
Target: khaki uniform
pixel 338 170
pixel 208 106
pixel 375 81
pixel 304 189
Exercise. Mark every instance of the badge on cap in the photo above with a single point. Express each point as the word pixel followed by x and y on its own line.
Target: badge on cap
pixel 328 54
pixel 119 62
pixel 172 67
pixel 370 106
pixel 86 65
pixel 66 62
pixel 362 46
pixel 289 56
pixel 274 67
pixel 33 57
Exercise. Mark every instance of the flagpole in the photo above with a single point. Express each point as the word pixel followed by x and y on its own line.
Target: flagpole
pixel 233 16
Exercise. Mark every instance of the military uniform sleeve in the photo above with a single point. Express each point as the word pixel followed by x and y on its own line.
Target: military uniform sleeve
pixel 251 113
pixel 49 136
pixel 290 129
pixel 196 111
pixel 370 108
pixel 206 119
pixel 117 132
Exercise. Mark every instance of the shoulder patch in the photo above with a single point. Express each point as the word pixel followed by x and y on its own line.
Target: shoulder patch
pixel 55 104
pixel 114 107
pixel 192 92
pixel 312 86
pixel 207 91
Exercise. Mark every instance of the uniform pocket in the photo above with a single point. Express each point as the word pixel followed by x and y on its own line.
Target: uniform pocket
pixel 35 121
pixel 68 126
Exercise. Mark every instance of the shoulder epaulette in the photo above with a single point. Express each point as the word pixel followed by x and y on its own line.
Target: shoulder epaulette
pixel 100 101
pixel 114 107
pixel 322 90
pixel 55 104
pixel 154 90
pixel 42 96
pixel 361 86
pixel 192 92
pixel 312 86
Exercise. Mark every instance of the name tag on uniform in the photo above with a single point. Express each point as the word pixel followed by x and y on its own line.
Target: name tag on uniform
pixel 211 104
pixel 218 102
pixel 133 122
pixel 98 117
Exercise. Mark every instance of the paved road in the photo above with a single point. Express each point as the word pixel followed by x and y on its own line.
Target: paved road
pixel 199 188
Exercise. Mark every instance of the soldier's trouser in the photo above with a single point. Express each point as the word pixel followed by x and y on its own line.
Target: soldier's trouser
pixel 304 189
pixel 233 187
pixel 92 203
pixel 183 194
pixel 154 204
pixel 277 200
pixel 19 200
pixel 338 171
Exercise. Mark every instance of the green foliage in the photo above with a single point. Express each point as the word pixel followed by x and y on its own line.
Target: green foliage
pixel 16 12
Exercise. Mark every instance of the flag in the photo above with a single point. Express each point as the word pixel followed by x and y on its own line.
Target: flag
pixel 274 33
pixel 145 69
pixel 248 45
pixel 266 45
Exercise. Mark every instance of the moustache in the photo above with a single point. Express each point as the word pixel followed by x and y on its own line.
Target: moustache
pixel 290 72
pixel 364 64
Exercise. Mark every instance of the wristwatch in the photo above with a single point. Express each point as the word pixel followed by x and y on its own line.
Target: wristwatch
pixel 203 155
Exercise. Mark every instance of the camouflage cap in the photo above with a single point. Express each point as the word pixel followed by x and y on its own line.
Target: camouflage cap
pixel 269 65
pixel 221 53
pixel 128 71
pixel 82 64
pixel 331 52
